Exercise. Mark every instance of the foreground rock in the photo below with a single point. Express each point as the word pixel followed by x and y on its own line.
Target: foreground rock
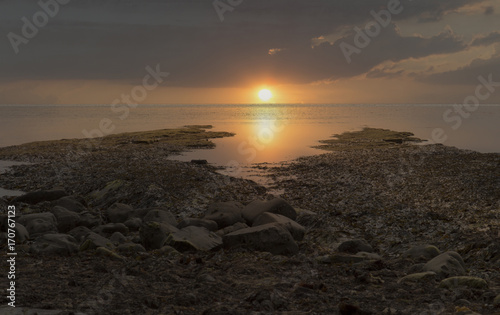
pixel 470 282
pixel 54 244
pixel 446 265
pixel 293 227
pixel 39 196
pixel 276 205
pixel 225 213
pixel 355 246
pixel 194 238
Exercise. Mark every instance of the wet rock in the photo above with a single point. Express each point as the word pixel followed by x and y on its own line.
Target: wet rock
pixel 70 203
pixel 105 252
pixel 66 219
pixel 422 252
pixel 154 234
pixel 293 227
pixel 471 282
pixel 94 240
pixel 110 228
pixel 80 233
pixel 90 219
pixel 355 246
pixel 39 196
pixel 194 238
pixel 446 265
pixel 232 228
pixel 118 238
pixel 208 224
pixel 133 224
pixel 225 213
pixel 417 277
pixel 161 216
pixel 276 205
pixel 268 238
pixel 119 213
pixel 54 244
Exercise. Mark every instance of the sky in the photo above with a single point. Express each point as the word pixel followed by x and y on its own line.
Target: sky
pixel 226 51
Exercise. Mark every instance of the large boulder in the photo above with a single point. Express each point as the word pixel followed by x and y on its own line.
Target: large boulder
pixel 119 213
pixel 208 224
pixel 271 238
pixel 66 219
pixel 194 238
pixel 161 216
pixel 94 240
pixel 422 252
pixel 225 213
pixel 54 244
pixel 45 216
pixel 232 228
pixel 293 227
pixel 70 203
pixel 39 223
pixel 447 264
pixel 276 205
pixel 90 219
pixel 355 246
pixel 154 234
pixel 80 233
pixel 39 196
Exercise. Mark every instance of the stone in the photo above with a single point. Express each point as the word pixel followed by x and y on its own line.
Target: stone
pixel 22 234
pixel 39 196
pixel 118 238
pixel 161 216
pixel 154 234
pixel 45 216
pixel 355 246
pixel 293 227
pixel 37 227
pixel 267 238
pixel 276 205
pixel 133 224
pixel 194 238
pixel 417 277
pixel 119 213
pixel 496 301
pixel 94 240
pixel 130 248
pixel 348 258
pixel 105 252
pixel 70 203
pixel 66 219
pixel 112 189
pixel 80 233
pixel 233 228
pixel 110 228
pixel 90 219
pixel 471 282
pixel 422 252
pixel 225 213
pixel 54 244
pixel 199 162
pixel 208 224
pixel 446 265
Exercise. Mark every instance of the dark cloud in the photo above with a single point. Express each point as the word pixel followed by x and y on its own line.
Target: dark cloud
pixel 489 10
pixel 487 40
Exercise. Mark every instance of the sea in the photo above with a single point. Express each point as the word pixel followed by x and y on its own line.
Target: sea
pixel 264 133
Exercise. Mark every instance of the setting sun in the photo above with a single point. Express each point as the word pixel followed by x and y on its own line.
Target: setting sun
pixel 265 95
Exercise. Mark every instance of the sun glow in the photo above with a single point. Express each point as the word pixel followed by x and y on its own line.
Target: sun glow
pixel 265 95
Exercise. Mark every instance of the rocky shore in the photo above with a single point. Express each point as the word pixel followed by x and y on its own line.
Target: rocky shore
pixel 379 225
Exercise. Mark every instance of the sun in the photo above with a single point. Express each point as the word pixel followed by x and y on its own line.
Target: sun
pixel 265 95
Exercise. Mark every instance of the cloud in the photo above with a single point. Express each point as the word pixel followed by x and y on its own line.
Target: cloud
pixel 492 38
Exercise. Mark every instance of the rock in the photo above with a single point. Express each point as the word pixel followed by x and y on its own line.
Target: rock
pixel 199 162
pixel 168 250
pixel 225 213
pixel 110 228
pixel 130 248
pixel 66 219
pixel 496 301
pixel 208 224
pixel 71 204
pixel 194 238
pixel 39 196
pixel 347 258
pixel 118 238
pixel 89 219
pixel 45 216
pixel 105 252
pixel 268 238
pixel 355 246
pixel 94 240
pixel 22 234
pixel 161 216
pixel 154 234
pixel 276 205
pixel 446 265
pixel 133 224
pixel 471 282
pixel 293 227
pixel 54 244
pixel 80 233
pixel 119 213
pixel 37 227
pixel 232 228
pixel 422 252
pixel 108 193
pixel 417 277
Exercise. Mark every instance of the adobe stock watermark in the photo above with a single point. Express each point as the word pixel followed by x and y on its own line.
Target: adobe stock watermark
pixel 30 28
pixel 223 6
pixel 372 29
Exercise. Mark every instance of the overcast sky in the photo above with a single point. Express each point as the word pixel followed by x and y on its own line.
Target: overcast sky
pixel 93 51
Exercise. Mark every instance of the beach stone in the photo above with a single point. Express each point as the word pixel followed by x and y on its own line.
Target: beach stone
pixel 119 213
pixel 417 277
pixel 37 227
pixel 160 216
pixel 80 233
pixel 168 250
pixel 270 237
pixel 54 244
pixel 208 224
pixel 232 228
pixel 110 228
pixel 446 265
pixel 276 205
pixel 153 234
pixel 225 213
pixel 66 219
pixel 194 238
pixel 130 248
pixel 106 252
pixel 71 204
pixel 470 282
pixel 133 224
pixel 293 227
pixel 355 246
pixel 22 234
pixel 45 216
pixel 90 219
pixel 112 189
pixel 118 238
pixel 94 240
pixel 348 258
pixel 422 252
pixel 39 196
